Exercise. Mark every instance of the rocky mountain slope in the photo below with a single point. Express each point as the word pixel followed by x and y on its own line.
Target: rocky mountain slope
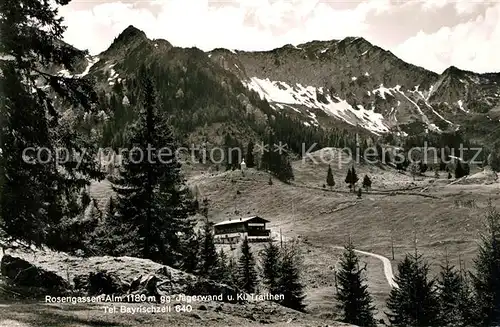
pixel 347 83
pixel 362 84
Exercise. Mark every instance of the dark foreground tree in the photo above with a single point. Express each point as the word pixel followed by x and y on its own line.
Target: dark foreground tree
pixel 355 302
pixel 208 258
pixel 289 283
pixel 246 274
pixel 455 298
pixel 39 196
pixel 271 263
pixel 459 170
pixel 152 199
pixel 486 279
pixel 415 301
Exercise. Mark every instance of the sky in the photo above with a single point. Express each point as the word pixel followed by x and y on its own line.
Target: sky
pixel 434 34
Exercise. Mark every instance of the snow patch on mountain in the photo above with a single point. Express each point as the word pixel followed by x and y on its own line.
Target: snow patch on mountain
pixel 90 62
pixel 281 92
pixel 461 106
pixel 382 91
pixel 113 75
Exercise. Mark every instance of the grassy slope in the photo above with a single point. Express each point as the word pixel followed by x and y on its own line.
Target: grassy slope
pixel 323 219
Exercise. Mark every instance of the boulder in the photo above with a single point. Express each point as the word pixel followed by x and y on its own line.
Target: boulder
pixel 22 273
pixel 147 285
pixel 102 282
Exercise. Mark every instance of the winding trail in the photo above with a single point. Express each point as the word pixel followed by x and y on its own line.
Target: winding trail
pixel 389 275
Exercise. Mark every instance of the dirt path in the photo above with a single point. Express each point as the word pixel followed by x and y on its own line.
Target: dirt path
pixel 389 275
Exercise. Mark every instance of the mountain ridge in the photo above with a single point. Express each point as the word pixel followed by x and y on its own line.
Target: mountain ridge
pixel 348 82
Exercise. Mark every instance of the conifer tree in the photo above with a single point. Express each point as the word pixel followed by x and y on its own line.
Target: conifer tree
pixel 459 171
pixel 367 182
pixel 271 267
pixel 329 177
pixel 224 269
pixel 249 158
pixel 191 244
pixel 208 254
pixel 232 268
pixel 289 283
pixel 348 178
pixel 415 301
pixel 450 292
pixel 352 178
pixel 355 302
pixel 38 198
pixel 152 199
pixel 246 274
pixel 486 279
pixel 467 302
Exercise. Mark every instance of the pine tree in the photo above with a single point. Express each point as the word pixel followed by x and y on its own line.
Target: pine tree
pixel 208 254
pixel 224 269
pixel 486 279
pixel 249 158
pixel 289 283
pixel 415 301
pixel 354 178
pixel 271 267
pixel 459 171
pixel 246 274
pixel 329 177
pixel 450 293
pixel 191 245
pixel 351 179
pixel 467 302
pixel 39 198
pixel 367 182
pixel 348 178
pixel 152 199
pixel 232 267
pixel 355 302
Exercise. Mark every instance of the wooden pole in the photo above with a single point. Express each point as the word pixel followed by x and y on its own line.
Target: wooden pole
pixel 392 245
pixel 335 280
